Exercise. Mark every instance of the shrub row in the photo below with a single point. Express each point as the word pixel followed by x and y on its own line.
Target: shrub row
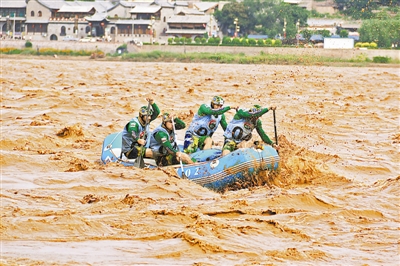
pixel 226 41
pixel 43 51
pixel 370 45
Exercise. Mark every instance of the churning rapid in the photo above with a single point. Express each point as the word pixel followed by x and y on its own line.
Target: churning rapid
pixel 334 201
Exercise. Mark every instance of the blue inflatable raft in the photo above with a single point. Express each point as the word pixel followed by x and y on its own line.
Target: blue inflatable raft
pixel 212 170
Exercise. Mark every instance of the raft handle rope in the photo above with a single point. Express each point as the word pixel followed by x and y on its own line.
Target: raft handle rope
pixel 119 158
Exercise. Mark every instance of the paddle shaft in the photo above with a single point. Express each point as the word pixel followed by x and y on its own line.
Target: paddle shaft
pixel 276 133
pixel 139 160
pixel 180 159
pixel 148 116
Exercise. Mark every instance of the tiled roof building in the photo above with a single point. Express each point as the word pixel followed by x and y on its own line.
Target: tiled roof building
pixel 117 20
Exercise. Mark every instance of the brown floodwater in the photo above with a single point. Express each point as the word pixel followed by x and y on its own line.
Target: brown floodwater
pixel 334 201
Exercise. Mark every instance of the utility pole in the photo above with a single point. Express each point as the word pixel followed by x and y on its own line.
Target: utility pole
pixel 76 26
pixel 284 28
pixel 237 27
pixel 8 25
pixel 210 35
pixel 14 26
pixel 151 26
pixel 298 32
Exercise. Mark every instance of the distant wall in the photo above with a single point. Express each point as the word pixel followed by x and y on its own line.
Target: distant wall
pixel 111 48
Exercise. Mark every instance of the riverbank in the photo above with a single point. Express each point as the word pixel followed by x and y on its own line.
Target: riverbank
pixel 110 48
pixel 225 59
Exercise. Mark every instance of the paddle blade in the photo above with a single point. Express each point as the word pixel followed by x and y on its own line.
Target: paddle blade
pixel 183 175
pixel 139 163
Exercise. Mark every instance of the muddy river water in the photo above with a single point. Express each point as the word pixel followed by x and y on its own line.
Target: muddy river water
pixel 334 201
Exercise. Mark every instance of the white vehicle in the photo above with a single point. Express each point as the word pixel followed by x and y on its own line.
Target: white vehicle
pixel 88 39
pixel 70 38
pixel 138 42
pixel 134 41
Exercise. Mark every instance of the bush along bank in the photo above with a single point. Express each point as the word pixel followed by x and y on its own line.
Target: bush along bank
pixel 224 58
pixel 241 58
pixel 44 51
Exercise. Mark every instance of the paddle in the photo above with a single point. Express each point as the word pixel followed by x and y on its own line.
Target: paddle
pixel 139 160
pixel 276 133
pixel 180 159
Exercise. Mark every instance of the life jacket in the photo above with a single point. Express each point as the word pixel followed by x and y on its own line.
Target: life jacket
pixel 240 129
pixel 127 140
pixel 156 146
pixel 204 125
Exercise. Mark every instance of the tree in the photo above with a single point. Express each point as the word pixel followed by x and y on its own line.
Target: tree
pixel 324 33
pixel 229 13
pixel 389 2
pixel 307 34
pixel 262 16
pixel 384 32
pixel 363 9
pixel 257 10
pixel 292 14
pixel 344 33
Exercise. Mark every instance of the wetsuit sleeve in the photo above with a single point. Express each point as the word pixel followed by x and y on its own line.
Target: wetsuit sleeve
pixel 156 112
pixel 163 138
pixel 262 134
pixel 244 114
pixel 205 110
pixel 133 128
pixel 223 122
pixel 179 124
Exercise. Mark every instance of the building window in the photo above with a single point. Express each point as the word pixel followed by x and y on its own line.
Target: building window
pixel 39 13
pixel 63 33
pixel 31 28
pixel 87 30
pixel 32 13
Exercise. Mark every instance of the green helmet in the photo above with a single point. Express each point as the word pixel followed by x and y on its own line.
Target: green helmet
pixel 255 109
pixel 143 111
pixel 166 118
pixel 217 100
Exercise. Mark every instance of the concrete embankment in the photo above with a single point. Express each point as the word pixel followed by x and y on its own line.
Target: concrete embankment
pixel 111 48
